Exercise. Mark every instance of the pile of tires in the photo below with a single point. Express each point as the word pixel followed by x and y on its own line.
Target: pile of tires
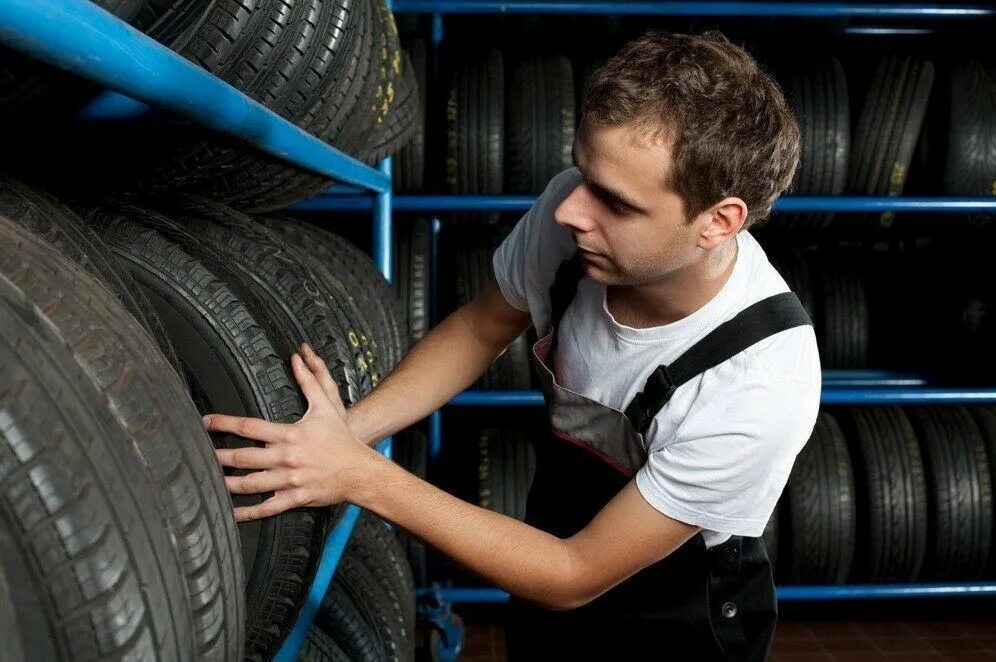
pixel 891 494
pixel 335 68
pixel 121 325
pixel 833 293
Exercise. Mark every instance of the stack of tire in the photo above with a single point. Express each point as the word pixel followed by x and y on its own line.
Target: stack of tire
pixel 506 463
pixel 818 95
pixel 890 494
pixel 119 329
pixel 834 295
pixel 502 144
pixel 334 68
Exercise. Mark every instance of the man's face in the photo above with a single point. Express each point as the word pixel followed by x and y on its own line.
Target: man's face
pixel 630 230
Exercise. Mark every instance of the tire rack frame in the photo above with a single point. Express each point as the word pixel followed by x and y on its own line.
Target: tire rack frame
pixel 143 76
pixel 856 387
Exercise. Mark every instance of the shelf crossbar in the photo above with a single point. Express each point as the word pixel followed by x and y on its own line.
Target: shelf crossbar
pixel 770 9
pixel 517 203
pixel 808 593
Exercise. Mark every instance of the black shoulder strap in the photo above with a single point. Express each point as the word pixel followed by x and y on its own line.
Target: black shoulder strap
pixel 565 285
pixel 750 326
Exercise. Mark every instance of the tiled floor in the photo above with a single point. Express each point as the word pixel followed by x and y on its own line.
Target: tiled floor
pixel 795 641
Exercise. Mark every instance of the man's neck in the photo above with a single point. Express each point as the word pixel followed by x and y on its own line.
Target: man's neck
pixel 676 297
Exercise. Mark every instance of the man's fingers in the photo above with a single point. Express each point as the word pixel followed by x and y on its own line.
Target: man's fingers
pixel 312 390
pixel 249 457
pixel 321 373
pixel 250 428
pixel 257 482
pixel 275 505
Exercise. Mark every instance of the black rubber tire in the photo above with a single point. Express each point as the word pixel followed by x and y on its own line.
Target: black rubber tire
pixel 891 493
pixel 411 275
pixel 277 52
pixel 277 274
pixel 474 271
pixel 173 22
pixel 124 507
pixel 235 347
pixel 265 183
pixel 398 127
pixel 320 647
pixel 355 267
pixel 360 268
pixel 45 217
pixel 819 99
pixel 792 266
pixel 889 127
pixel 540 123
pixel 842 320
pixel 409 164
pixel 475 125
pixel 820 503
pixel 985 417
pixel 354 613
pixel 380 552
pixel 971 159
pixel 959 487
pixel 506 463
pixel 368 363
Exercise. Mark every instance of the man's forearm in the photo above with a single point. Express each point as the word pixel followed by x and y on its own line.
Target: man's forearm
pixel 444 362
pixel 521 559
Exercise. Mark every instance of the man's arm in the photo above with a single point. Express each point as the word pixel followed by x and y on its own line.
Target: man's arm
pixel 319 461
pixel 626 536
pixel 444 362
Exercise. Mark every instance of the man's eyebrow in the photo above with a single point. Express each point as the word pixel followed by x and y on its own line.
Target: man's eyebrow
pixel 604 192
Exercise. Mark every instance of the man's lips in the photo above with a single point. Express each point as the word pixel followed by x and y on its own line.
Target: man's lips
pixel 588 254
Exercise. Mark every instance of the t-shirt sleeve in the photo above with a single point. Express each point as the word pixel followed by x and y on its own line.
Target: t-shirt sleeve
pixel 730 458
pixel 526 260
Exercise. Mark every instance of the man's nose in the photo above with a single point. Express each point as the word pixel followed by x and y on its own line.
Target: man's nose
pixel 575 211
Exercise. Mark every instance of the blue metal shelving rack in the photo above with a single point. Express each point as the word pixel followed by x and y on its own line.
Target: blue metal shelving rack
pixel 140 75
pixel 77 36
pixel 861 387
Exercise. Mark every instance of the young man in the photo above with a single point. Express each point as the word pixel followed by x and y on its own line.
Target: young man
pixel 681 375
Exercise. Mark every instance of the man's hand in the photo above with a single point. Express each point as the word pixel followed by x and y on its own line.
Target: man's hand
pixel 313 462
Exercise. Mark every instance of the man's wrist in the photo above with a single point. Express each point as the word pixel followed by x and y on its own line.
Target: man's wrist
pixel 364 479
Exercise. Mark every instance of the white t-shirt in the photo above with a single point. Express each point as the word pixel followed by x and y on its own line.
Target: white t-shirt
pixel 720 452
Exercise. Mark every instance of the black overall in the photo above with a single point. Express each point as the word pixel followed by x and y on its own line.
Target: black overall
pixel 696 604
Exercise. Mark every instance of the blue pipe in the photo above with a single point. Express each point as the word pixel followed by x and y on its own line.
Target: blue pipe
pixel 331 553
pixel 797 9
pixel 831 395
pixel 871 204
pixel 785 593
pixel 79 36
pixel 383 239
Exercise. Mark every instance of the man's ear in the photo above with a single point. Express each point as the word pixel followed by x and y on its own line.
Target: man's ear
pixel 721 222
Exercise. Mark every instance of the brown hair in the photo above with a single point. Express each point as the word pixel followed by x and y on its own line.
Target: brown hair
pixel 730 131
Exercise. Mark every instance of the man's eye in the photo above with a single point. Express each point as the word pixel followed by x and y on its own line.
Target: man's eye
pixel 617 208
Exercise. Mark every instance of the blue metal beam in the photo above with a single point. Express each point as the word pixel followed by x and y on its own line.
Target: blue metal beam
pixel 831 395
pixel 79 36
pixel 796 9
pixel 785 593
pixel 331 553
pixel 871 204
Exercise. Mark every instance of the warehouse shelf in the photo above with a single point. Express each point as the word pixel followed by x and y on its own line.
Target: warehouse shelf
pixel 836 592
pixel 144 79
pixel 79 36
pixel 871 204
pixel 787 9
